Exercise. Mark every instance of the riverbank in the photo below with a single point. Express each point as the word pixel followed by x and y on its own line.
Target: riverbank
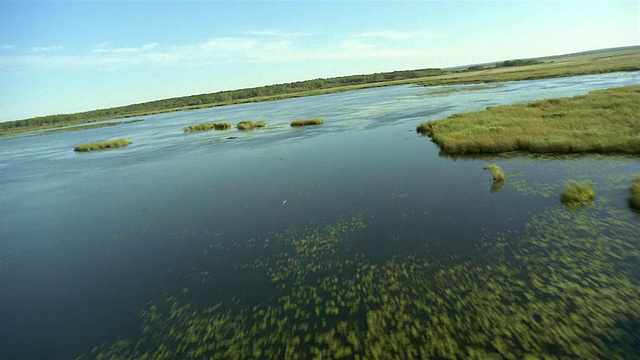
pixel 603 121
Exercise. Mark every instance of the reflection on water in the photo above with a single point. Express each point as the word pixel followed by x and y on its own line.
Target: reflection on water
pixel 349 237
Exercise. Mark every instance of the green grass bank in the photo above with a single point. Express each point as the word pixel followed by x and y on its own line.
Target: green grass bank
pixel 603 121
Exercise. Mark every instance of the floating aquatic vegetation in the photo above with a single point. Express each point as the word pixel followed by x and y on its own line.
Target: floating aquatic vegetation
pixel 567 286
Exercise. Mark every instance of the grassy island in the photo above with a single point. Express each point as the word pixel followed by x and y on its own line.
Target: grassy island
pixel 208 126
pixel 577 193
pixel 603 121
pixel 102 145
pixel 250 125
pixel 305 122
pixel 496 172
pixel 634 199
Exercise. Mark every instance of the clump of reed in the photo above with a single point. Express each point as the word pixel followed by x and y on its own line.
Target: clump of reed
pixel 102 145
pixel 249 125
pixel 577 193
pixel 603 121
pixel 208 126
pixel 305 122
pixel 496 172
pixel 634 199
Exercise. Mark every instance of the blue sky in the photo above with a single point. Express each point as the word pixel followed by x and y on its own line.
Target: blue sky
pixel 61 57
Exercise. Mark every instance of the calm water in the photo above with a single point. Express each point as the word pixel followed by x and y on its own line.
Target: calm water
pixel 87 240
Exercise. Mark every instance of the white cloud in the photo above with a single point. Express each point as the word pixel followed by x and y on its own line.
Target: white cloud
pixel 225 50
pixel 46 48
pixel 273 33
pixel 7 47
pixel 399 35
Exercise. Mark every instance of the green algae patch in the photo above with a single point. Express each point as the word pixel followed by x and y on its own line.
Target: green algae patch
pixel 250 125
pixel 634 198
pixel 564 287
pixel 603 121
pixel 305 122
pixel 577 193
pixel 208 126
pixel 102 145
pixel 496 173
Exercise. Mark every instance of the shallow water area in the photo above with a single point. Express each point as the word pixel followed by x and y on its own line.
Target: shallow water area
pixel 356 212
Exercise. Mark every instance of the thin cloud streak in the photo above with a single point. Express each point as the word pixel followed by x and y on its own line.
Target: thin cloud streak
pixel 398 35
pixel 222 50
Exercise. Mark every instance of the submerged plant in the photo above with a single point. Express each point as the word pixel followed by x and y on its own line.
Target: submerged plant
pixel 634 199
pixel 577 193
pixel 496 172
pixel 304 122
pixel 102 145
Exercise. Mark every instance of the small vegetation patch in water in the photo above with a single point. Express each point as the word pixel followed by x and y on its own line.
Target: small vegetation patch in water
pixel 208 126
pixel 102 145
pixel 249 125
pixel 603 121
pixel 496 172
pixel 448 90
pixel 305 122
pixel 578 193
pixel 634 199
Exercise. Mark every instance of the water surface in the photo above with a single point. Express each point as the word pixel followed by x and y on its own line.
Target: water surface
pixel 88 240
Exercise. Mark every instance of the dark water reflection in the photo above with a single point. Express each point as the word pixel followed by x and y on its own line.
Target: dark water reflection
pixel 86 240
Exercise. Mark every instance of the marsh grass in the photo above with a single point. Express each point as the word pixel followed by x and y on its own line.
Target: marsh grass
pixel 577 194
pixel 208 126
pixel 603 121
pixel 569 65
pixel 496 172
pixel 250 125
pixel 634 198
pixel 102 145
pixel 305 122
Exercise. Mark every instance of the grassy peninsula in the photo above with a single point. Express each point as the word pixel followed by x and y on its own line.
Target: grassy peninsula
pixel 102 145
pixel 603 121
pixel 593 62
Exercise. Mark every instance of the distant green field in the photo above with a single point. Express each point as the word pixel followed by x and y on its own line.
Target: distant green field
pixel 603 121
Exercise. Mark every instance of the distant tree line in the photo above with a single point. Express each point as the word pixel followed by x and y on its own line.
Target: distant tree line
pixel 217 98
pixel 510 63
